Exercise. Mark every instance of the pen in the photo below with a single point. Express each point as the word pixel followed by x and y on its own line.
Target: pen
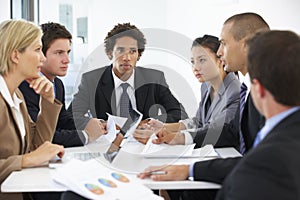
pixel 158 173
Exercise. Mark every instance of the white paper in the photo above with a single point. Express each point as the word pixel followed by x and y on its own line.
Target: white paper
pixel 93 180
pixel 111 128
pixel 120 121
pixel 166 150
pixel 179 151
pixel 132 128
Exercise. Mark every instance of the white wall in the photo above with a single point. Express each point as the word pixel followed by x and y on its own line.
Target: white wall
pixel 178 23
pixel 5 10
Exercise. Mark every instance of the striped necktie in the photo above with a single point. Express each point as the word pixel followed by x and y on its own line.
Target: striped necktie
pixel 243 93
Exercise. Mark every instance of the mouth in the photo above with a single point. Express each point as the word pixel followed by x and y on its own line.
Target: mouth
pixel 126 66
pixel 198 75
pixel 64 68
pixel 223 62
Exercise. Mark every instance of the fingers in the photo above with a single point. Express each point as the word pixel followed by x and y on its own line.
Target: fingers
pixel 143 133
pixel 118 140
pixel 156 173
pixel 42 86
pixel 140 139
pixel 166 173
pixel 42 154
pixel 95 128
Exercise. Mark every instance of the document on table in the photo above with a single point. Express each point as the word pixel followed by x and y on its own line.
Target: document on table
pixel 121 122
pixel 169 151
pixel 93 180
pixel 112 121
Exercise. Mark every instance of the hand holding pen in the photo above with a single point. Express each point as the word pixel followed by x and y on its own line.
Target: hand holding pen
pixel 166 173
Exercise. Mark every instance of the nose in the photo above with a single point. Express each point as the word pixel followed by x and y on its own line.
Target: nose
pixel 220 51
pixel 43 58
pixel 66 59
pixel 126 56
pixel 196 66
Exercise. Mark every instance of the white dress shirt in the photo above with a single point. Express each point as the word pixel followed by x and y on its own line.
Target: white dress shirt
pixel 119 91
pixel 14 102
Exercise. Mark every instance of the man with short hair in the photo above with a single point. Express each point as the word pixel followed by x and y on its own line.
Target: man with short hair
pixel 121 87
pixel 57 41
pixel 233 53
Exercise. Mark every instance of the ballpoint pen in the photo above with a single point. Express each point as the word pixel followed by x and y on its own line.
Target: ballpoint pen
pixel 158 173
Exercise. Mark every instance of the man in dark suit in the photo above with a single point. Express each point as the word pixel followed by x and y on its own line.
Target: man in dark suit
pixel 270 170
pixel 232 51
pixel 56 41
pixel 101 90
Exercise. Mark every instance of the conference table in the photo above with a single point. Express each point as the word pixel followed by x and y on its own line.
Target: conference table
pixel 39 179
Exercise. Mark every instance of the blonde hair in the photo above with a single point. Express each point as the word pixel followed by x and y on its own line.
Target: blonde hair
pixel 15 35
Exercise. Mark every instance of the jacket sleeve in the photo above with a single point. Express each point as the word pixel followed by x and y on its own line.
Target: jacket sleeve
pixel 8 165
pixel 80 104
pixel 173 108
pixel 44 128
pixel 214 170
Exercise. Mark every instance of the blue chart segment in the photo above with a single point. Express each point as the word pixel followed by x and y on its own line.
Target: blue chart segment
pixel 120 177
pixel 107 183
pixel 94 188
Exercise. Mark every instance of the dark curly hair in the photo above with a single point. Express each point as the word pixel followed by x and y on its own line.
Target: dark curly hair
pixel 121 30
pixel 51 32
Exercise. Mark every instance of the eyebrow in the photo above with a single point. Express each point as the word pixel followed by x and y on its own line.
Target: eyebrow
pixel 131 48
pixel 61 50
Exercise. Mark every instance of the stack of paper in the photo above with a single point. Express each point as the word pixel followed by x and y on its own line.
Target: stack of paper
pixel 93 180
pixel 176 151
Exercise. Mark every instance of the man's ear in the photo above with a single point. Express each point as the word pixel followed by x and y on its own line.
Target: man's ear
pixel 109 54
pixel 258 88
pixel 15 56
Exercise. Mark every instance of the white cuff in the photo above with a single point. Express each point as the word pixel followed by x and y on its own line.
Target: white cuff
pixel 86 136
pixel 188 137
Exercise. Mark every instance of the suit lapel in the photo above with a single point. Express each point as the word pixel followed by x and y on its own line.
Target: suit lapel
pixel 213 106
pixel 106 85
pixel 141 89
pixel 205 102
pixel 59 90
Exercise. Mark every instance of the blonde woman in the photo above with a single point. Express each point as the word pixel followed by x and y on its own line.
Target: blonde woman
pixel 23 143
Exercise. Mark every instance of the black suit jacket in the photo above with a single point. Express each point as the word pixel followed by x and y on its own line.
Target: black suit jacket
pixel 96 95
pixel 252 121
pixel 217 170
pixel 271 170
pixel 66 133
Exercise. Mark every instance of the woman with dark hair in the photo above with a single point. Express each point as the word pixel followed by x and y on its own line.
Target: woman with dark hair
pixel 218 106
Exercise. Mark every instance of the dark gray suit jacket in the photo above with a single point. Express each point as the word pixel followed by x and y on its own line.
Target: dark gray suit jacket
pixel 220 113
pixel 271 170
pixel 66 133
pixel 96 94
pixel 216 170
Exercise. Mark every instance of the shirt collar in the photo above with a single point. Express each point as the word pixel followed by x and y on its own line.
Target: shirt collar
pixel 273 121
pixel 13 102
pixel 247 81
pixel 118 81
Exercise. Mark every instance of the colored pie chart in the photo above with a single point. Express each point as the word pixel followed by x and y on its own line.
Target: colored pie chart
pixel 120 177
pixel 107 183
pixel 94 188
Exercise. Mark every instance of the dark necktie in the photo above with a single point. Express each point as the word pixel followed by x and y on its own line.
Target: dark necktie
pixel 125 104
pixel 54 88
pixel 243 93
